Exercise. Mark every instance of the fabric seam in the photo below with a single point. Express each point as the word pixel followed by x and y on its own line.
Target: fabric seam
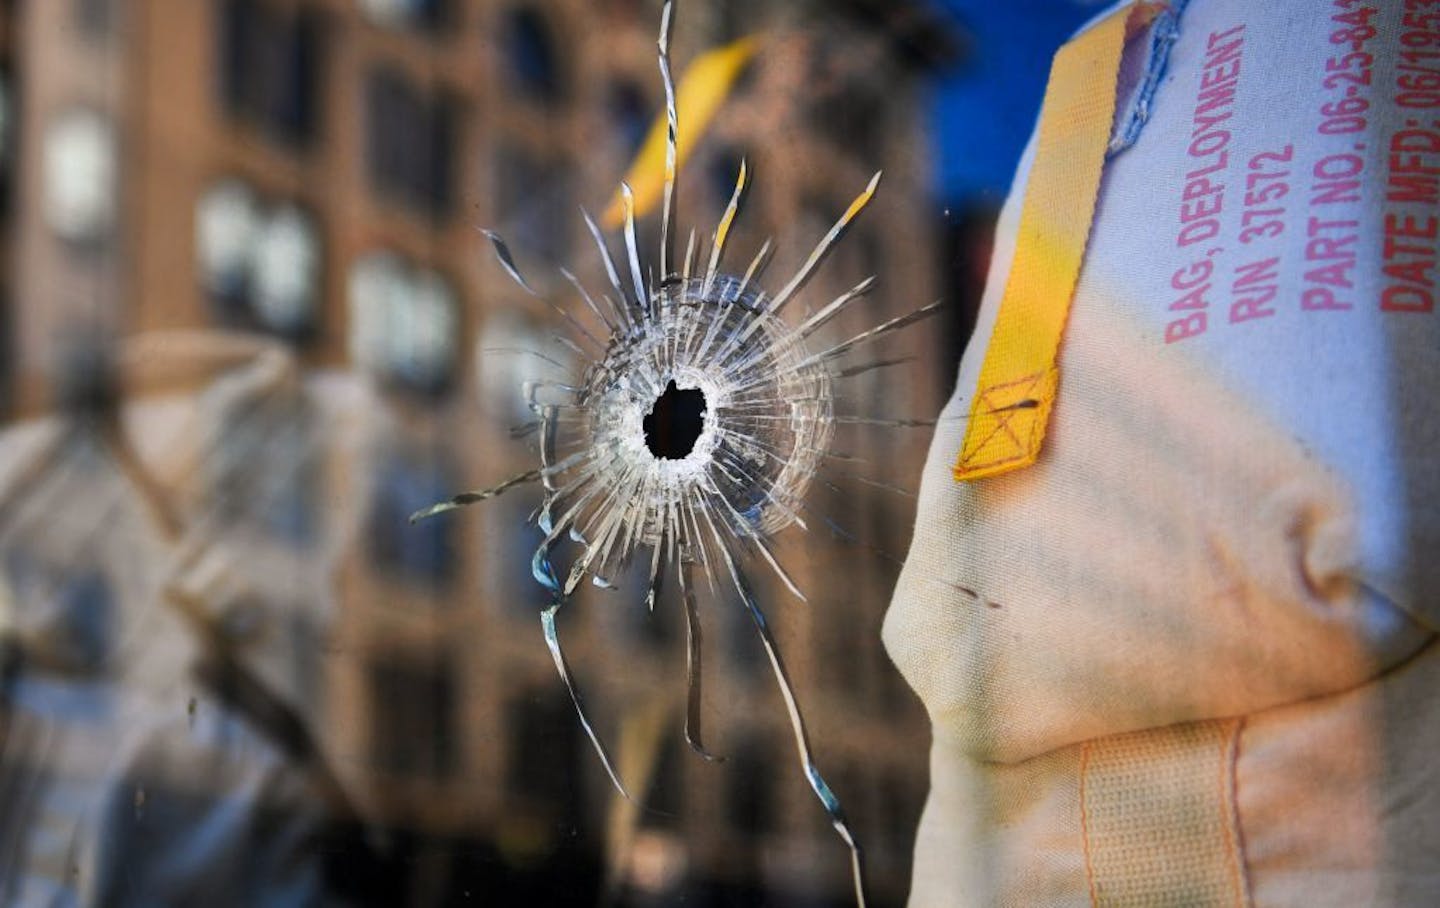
pixel 1237 833
pixel 1085 826
pixel 1164 32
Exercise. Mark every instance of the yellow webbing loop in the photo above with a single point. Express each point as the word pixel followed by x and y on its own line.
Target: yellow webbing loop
pixel 1018 378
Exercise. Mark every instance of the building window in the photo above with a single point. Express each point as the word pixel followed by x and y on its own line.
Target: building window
pixel 743 647
pixel 270 69
pixel 657 629
pixel 260 264
pixel 870 250
pixel 420 15
pixel 285 273
pixel 848 107
pixel 96 19
pixel 844 664
pixel 629 114
pixel 512 539
pixel 512 351
pixel 666 798
pixel 80 177
pixel 8 357
pixel 723 172
pixel 413 725
pixel 8 147
pixel 631 10
pixel 227 219
pixel 901 804
pixel 409 143
pixel 545 751
pixel 535 202
pixel 422 555
pixel 734 19
pixel 750 790
pixel 404 324
pixel 819 212
pixel 530 55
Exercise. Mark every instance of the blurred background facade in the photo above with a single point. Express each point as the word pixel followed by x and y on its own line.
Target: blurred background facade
pixel 312 172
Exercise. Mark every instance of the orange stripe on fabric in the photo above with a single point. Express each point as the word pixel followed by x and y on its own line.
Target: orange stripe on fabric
pixel 1158 817
pixel 1230 794
pixel 1018 378
pixel 1085 825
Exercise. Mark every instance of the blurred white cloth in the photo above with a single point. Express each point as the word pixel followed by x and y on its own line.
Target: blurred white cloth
pixel 1185 658
pixel 123 778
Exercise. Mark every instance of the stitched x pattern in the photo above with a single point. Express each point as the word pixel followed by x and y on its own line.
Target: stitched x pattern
pixel 1007 406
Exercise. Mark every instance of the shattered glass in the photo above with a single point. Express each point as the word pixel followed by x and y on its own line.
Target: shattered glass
pixel 233 672
pixel 683 428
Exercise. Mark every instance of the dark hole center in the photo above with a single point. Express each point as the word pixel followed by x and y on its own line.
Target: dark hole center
pixel 674 424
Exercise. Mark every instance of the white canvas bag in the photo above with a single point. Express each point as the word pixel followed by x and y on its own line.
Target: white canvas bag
pixel 1185 657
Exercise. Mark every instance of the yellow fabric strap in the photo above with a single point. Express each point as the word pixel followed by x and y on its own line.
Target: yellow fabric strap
pixel 698 97
pixel 1157 811
pixel 1018 377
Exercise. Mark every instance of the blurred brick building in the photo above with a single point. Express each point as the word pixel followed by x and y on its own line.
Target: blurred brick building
pixel 315 170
